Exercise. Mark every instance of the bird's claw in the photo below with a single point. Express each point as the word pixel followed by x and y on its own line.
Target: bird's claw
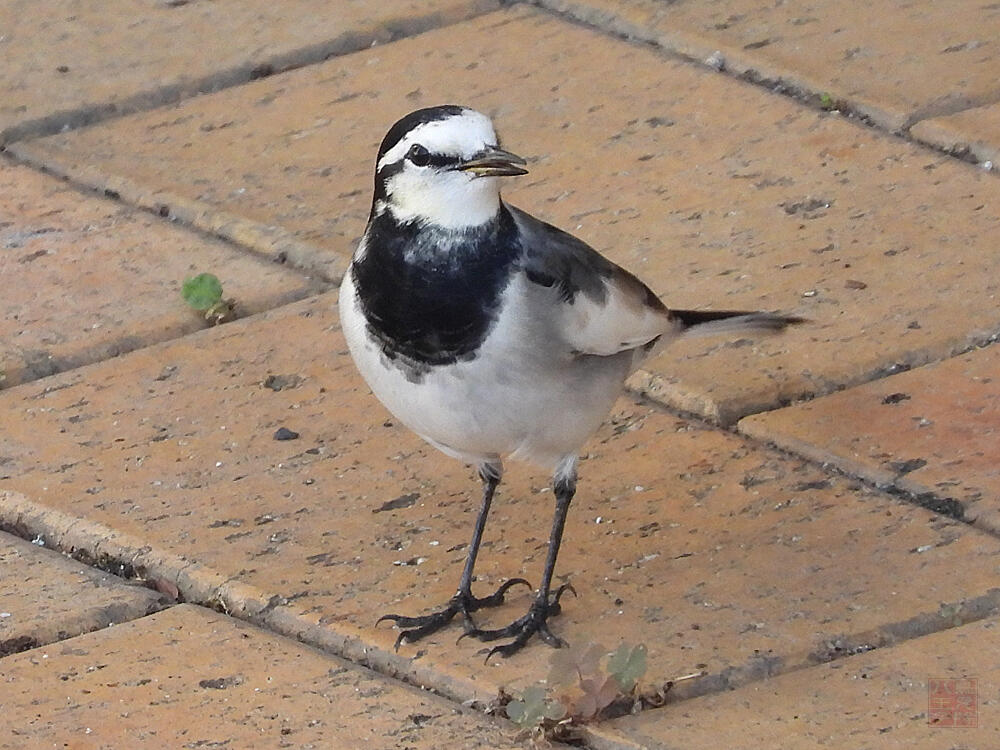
pixel 532 622
pixel 496 598
pixel 421 626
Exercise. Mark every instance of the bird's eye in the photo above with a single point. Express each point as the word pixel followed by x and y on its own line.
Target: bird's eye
pixel 418 155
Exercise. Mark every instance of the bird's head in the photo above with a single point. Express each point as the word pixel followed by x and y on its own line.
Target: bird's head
pixel 439 166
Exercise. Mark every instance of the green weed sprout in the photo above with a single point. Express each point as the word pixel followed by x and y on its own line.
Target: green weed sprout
pixel 204 294
pixel 532 708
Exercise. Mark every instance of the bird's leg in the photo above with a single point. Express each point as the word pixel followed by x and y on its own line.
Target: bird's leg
pixel 463 601
pixel 546 603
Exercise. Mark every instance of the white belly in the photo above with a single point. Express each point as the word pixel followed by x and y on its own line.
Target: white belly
pixel 523 395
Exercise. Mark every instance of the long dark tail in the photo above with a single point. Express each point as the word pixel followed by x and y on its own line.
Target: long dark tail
pixel 711 322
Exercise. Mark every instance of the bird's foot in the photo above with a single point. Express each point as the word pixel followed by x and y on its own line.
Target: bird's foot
pixel 534 621
pixel 415 628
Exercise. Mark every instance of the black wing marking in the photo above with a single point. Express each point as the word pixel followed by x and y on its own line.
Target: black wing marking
pixel 605 309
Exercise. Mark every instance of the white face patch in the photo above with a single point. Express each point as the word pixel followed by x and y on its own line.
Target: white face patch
pixel 447 198
pixel 451 200
pixel 462 135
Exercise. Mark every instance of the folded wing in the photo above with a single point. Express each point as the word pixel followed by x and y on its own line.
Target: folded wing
pixel 603 309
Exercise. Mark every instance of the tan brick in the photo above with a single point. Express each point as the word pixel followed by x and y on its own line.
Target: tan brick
pixel 878 699
pixel 976 131
pixel 46 597
pixel 189 677
pixel 891 60
pixel 70 62
pixel 933 431
pixel 719 556
pixel 716 193
pixel 85 278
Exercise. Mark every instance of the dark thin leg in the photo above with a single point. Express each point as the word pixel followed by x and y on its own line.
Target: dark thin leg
pixel 463 601
pixel 564 495
pixel 490 475
pixel 546 604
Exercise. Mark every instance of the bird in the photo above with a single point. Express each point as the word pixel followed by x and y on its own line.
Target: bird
pixel 494 335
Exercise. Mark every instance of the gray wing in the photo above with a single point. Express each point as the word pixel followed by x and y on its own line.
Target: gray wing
pixel 602 308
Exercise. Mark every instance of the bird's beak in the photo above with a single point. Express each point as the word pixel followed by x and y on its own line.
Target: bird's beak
pixel 494 162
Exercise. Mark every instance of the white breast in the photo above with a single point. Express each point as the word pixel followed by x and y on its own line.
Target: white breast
pixel 523 394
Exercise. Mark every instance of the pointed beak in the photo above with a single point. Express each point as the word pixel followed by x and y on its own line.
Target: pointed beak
pixel 494 162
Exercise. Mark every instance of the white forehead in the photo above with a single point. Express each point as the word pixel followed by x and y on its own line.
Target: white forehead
pixel 460 135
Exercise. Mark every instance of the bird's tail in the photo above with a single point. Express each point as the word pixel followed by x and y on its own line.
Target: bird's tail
pixel 711 322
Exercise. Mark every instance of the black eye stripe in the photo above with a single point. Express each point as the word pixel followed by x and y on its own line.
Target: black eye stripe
pixel 443 160
pixel 435 160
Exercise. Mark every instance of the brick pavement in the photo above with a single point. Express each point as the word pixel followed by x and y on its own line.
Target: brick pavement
pixel 821 570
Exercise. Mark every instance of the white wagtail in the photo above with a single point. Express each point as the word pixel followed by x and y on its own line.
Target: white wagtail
pixel 490 333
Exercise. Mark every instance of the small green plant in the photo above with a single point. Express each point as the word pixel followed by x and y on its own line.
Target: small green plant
pixel 826 101
pixel 533 707
pixel 628 665
pixel 204 294
pixel 582 686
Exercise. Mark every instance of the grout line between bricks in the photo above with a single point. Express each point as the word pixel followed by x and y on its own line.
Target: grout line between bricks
pixel 238 233
pixel 388 31
pixel 24 643
pixel 762 75
pixel 660 390
pixel 273 242
pixel 934 110
pixel 882 481
pixel 889 483
pixel 947 617
pixel 280 245
pixel 129 557
pixel 114 551
pixel 201 585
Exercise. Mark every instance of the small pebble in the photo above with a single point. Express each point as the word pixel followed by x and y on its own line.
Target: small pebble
pixel 283 433
pixel 895 398
pixel 716 60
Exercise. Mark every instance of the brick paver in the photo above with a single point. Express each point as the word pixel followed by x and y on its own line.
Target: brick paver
pixel 85 278
pixel 719 556
pixel 895 61
pixel 715 192
pixel 931 431
pixel 974 130
pixel 69 62
pixel 915 695
pixel 746 567
pixel 189 678
pixel 46 597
